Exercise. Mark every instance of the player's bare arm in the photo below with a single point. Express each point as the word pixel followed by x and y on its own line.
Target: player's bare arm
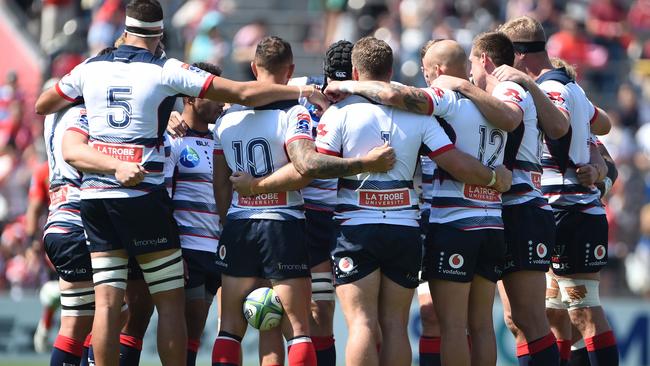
pixel 612 173
pixel 595 171
pixel 554 122
pixel 601 125
pixel 505 116
pixel 83 157
pixel 403 97
pixel 221 185
pixel 287 178
pixel 50 101
pixel 467 169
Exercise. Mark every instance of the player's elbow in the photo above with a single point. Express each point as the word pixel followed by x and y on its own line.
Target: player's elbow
pixel 512 121
pixel 601 127
pixel 41 107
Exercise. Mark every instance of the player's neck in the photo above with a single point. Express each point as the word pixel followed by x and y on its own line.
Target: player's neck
pixel 537 65
pixel 194 122
pixel 491 83
pixel 140 43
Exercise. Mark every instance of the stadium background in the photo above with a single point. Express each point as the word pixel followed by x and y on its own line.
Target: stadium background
pixel 607 40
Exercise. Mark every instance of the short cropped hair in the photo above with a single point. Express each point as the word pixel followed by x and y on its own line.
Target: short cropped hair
pixel 497 46
pixel 524 28
pixel 372 57
pixel 273 53
pixel 208 67
pixel 144 10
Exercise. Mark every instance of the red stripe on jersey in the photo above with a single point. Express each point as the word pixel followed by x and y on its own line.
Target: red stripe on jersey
pixel 62 94
pixel 515 103
pixel 441 150
pixel 201 236
pixel 299 137
pixel 78 130
pixel 593 119
pixel 430 100
pixel 328 152
pixel 217 152
pixel 206 85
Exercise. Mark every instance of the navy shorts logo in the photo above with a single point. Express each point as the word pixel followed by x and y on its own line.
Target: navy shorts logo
pixel 222 252
pixel 346 264
pixel 189 157
pixel 456 261
pixel 541 250
pixel 600 252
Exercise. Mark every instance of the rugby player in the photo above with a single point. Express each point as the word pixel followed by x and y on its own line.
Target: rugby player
pixel 572 164
pixel 263 236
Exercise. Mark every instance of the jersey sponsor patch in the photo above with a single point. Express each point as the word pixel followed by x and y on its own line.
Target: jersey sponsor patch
pixel 189 157
pixel 59 196
pixel 304 123
pixel 396 198
pixel 264 200
pixel 123 152
pixel 536 178
pixel 481 193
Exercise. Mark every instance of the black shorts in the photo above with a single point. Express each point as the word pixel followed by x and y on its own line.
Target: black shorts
pixel 456 255
pixel 133 270
pixel 69 254
pixel 395 250
pixel 530 238
pixel 139 225
pixel 580 244
pixel 271 249
pixel 320 231
pixel 202 272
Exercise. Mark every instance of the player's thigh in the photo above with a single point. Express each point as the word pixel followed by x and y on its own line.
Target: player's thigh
pixel 481 301
pixel 358 300
pixel 233 292
pixel 394 303
pixel 581 244
pixel 69 255
pixel 400 254
pixel 283 250
pixel 529 233
pixel 238 253
pixel 320 235
pixel 490 260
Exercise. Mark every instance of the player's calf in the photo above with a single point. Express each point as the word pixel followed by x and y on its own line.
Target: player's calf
pixel 429 345
pixel 322 314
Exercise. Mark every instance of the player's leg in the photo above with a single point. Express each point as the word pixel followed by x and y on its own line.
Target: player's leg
pixel 480 323
pixel 450 300
pixel 198 297
pixel 294 294
pixel 139 313
pixel 271 347
pixel 429 346
pixel 394 305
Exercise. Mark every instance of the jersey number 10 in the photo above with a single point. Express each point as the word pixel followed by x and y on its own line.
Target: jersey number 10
pixel 246 159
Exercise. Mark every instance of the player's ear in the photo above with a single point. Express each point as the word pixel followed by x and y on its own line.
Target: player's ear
pixel 290 70
pixel 188 100
pixel 254 68
pixel 355 73
pixel 484 59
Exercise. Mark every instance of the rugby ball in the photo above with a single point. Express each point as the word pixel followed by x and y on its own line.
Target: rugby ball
pixel 262 309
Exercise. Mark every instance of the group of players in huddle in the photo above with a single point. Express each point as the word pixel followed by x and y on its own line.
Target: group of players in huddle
pixel 316 199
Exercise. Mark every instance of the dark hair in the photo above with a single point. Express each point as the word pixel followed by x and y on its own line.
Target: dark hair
pixel 372 57
pixel 272 53
pixel 106 50
pixel 497 46
pixel 144 10
pixel 208 67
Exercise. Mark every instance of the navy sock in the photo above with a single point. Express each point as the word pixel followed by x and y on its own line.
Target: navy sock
pixel 580 357
pixel 66 351
pixel 602 349
pixel 130 349
pixel 325 350
pixel 192 349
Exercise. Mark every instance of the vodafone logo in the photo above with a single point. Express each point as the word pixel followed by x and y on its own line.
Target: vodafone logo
pixel 346 264
pixel 541 250
pixel 222 252
pixel 456 261
pixel 600 252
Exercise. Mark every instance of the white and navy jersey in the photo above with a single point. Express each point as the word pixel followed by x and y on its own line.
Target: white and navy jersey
pixel 355 126
pixel 188 176
pixel 65 181
pixel 254 141
pixel 562 157
pixel 320 194
pixel 428 167
pixel 466 206
pixel 523 154
pixel 129 94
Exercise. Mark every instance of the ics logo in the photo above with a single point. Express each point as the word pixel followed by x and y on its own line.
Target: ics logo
pixel 456 261
pixel 346 264
pixel 541 250
pixel 600 252
pixel 189 157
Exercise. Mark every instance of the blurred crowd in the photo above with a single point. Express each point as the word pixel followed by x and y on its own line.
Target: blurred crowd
pixel 608 41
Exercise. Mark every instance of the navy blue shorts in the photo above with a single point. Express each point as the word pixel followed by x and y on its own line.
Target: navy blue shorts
pixel 395 250
pixel 320 230
pixel 69 254
pixel 530 238
pixel 270 249
pixel 139 225
pixel 202 270
pixel 456 255
pixel 580 244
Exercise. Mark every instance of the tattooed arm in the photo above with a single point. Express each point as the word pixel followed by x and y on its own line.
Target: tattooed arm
pixel 403 97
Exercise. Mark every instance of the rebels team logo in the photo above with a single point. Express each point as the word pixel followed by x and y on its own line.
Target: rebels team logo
pixel 600 252
pixel 222 252
pixel 304 123
pixel 541 250
pixel 456 261
pixel 189 157
pixel 346 264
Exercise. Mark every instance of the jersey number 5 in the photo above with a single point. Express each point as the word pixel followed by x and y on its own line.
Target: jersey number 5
pixel 116 100
pixel 246 159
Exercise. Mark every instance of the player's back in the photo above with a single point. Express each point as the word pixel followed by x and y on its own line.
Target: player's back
pixel 65 180
pixel 254 141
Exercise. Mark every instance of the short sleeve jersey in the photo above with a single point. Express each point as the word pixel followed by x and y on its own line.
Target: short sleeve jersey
pixel 129 94
pixel 254 141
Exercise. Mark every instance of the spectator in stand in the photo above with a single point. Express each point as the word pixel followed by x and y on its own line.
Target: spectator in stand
pixel 244 44
pixel 208 45
pixel 638 262
pixel 54 15
pixel 106 27
pixel 628 106
pixel 11 108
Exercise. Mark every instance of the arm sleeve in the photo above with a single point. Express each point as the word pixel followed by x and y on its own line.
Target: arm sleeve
pixel 79 124
pixel 70 87
pixel 218 149
pixel 442 102
pixel 328 136
pixel 435 140
pixel 298 125
pixel 557 93
pixel 511 93
pixel 185 79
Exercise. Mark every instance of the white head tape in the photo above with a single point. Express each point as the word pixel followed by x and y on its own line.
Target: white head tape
pixel 142 29
pixel 132 22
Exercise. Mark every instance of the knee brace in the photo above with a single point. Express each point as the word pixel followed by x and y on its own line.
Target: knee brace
pixel 165 273
pixel 578 293
pixel 423 289
pixel 78 302
pixel 553 295
pixel 322 286
pixel 110 271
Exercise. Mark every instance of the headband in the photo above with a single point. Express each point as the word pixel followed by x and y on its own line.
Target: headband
pixel 529 47
pixel 140 28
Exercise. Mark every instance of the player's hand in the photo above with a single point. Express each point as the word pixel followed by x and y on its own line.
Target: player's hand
pixel 335 92
pixel 129 174
pixel 509 73
pixel 316 97
pixel 504 179
pixel 242 183
pixel 176 126
pixel 587 175
pixel 449 82
pixel 380 159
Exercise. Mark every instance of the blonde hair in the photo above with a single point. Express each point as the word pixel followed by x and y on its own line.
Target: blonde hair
pixel 570 69
pixel 523 29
